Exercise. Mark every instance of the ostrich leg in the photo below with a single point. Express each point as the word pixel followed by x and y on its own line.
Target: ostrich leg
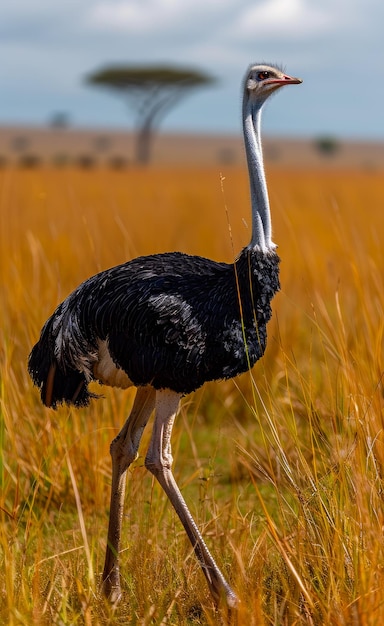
pixel 123 452
pixel 159 462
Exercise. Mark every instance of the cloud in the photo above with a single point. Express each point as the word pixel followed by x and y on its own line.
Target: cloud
pixel 290 18
pixel 151 16
pixel 283 18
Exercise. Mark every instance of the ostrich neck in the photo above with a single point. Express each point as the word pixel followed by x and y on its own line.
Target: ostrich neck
pixel 261 217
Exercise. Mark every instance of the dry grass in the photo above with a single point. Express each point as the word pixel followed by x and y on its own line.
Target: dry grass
pixel 283 468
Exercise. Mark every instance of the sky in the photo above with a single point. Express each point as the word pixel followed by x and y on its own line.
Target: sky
pixel 47 47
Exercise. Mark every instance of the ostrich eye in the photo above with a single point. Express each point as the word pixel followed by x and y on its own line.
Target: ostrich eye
pixel 263 75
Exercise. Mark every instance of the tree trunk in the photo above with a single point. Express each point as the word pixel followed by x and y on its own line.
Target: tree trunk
pixel 143 144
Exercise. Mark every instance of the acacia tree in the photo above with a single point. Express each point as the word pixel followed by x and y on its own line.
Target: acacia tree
pixel 152 91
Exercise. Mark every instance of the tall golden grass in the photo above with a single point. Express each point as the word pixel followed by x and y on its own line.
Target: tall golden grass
pixel 282 468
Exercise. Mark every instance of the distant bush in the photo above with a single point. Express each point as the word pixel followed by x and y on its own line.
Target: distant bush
pixel 86 161
pixel 327 145
pixel 29 160
pixel 117 162
pixel 59 120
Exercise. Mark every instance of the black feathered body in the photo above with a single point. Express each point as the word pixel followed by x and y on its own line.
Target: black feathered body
pixel 168 320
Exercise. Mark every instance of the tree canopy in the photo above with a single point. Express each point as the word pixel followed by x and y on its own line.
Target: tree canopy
pixel 152 91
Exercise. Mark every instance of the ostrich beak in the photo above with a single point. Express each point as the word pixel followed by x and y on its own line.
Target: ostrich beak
pixel 285 80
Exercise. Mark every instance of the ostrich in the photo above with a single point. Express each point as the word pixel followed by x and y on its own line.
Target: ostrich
pixel 166 324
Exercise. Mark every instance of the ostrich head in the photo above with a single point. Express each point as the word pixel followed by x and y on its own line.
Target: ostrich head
pixel 262 80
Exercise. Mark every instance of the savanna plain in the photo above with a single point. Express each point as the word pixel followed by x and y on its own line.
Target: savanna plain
pixel 282 468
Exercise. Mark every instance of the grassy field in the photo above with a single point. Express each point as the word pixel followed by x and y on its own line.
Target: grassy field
pixel 282 468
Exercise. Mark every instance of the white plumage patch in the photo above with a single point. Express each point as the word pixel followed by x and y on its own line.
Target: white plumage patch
pixel 107 372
